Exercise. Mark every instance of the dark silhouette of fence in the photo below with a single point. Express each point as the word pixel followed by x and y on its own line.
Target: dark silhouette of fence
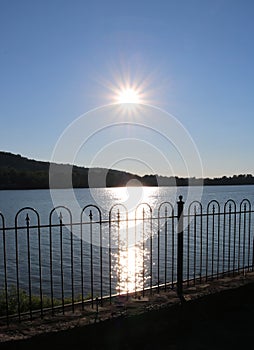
pixel 64 264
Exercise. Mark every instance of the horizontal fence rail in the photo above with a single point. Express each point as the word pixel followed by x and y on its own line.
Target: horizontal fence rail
pixel 64 263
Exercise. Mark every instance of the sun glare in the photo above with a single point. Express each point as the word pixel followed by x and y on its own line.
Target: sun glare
pixel 130 86
pixel 128 96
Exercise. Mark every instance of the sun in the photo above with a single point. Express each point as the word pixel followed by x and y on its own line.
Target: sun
pixel 128 95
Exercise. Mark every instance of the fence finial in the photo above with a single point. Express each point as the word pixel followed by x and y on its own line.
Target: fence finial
pixel 27 219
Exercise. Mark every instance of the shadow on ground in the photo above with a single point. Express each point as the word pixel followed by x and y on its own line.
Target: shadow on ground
pixel 218 321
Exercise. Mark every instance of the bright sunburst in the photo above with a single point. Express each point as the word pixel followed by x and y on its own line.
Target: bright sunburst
pixel 130 87
pixel 128 95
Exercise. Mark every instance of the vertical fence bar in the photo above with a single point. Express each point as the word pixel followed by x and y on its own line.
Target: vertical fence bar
pixel 81 263
pixel 165 249
pixel 224 238
pixel 90 223
pixel 27 226
pixel 118 252
pixel 246 231
pixel 127 253
pixel 213 215
pixel 59 225
pixel 158 254
pixel 17 266
pixel 145 240
pixel 207 244
pixel 195 244
pixel 213 224
pixel 122 248
pixel 201 244
pixel 244 234
pixel 61 259
pixel 194 241
pixel 239 240
pixel 72 268
pixel 143 250
pixel 252 268
pixel 151 251
pixel 218 245
pixel 234 249
pixel 91 254
pixel 165 225
pixel 173 248
pixel 188 250
pixel 109 258
pixel 135 256
pixel 180 205
pixel 244 204
pixel 229 238
pixel 244 212
pixel 101 264
pixel 231 235
pixel 158 249
pixel 51 264
pixel 40 265
pixel 249 233
pixel 5 270
pixel 29 264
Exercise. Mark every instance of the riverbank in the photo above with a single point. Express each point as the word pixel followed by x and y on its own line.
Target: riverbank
pixel 20 173
pixel 216 315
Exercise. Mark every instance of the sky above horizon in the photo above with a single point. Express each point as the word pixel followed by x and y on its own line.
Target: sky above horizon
pixel 194 60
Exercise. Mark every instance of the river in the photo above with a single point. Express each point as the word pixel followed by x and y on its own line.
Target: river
pixel 65 267
pixel 41 200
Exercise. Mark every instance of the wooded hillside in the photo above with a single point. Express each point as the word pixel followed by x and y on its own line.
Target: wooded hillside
pixel 17 172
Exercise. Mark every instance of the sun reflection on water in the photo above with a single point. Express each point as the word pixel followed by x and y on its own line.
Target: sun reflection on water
pixel 131 270
pixel 132 220
pixel 133 195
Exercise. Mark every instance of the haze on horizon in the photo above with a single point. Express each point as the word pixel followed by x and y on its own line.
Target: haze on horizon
pixel 193 59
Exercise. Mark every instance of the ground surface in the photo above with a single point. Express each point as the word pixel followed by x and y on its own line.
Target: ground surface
pixel 216 315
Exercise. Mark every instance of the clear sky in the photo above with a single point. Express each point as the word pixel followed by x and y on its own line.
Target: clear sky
pixel 193 58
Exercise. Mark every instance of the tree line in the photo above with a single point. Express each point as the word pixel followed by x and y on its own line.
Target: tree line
pixel 17 172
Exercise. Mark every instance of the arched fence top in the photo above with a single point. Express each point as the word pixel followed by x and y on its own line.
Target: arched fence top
pixel 213 203
pixel 117 206
pixel 194 205
pixel 3 220
pixel 89 206
pixel 166 204
pixel 27 218
pixel 228 204
pixel 58 210
pixel 140 205
pixel 244 203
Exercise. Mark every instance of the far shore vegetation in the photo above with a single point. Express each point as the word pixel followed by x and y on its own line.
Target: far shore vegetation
pixel 17 172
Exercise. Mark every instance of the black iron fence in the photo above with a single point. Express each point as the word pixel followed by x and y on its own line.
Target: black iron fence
pixel 68 263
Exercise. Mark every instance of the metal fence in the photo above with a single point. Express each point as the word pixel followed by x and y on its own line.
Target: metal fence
pixel 66 263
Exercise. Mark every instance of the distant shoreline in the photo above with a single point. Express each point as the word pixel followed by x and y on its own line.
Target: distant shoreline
pixel 76 188
pixel 20 173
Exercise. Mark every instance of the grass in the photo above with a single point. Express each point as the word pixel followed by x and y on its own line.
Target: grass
pixel 26 304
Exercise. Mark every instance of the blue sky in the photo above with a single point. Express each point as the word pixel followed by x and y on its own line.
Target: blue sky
pixel 194 59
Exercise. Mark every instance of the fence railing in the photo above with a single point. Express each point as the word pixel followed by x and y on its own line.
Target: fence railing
pixel 67 263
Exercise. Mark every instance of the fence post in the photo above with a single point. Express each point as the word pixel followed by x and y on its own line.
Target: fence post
pixel 180 205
